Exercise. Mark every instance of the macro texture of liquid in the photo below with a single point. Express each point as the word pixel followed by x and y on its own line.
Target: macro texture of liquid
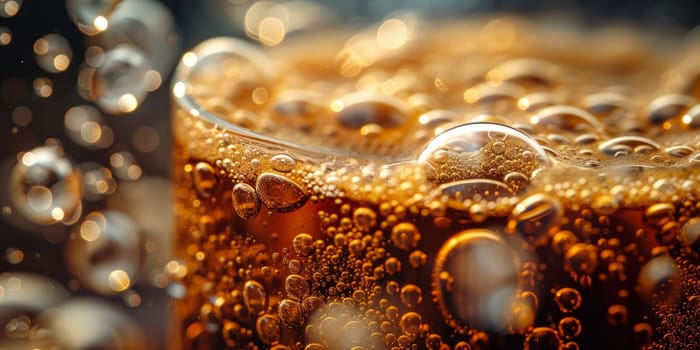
pixel 481 185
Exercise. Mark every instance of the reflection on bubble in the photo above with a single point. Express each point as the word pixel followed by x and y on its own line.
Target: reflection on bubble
pixel 146 25
pixel 53 53
pixel 45 186
pixel 91 16
pixel 87 323
pixel 10 8
pixel 5 36
pixel 105 254
pixel 86 127
pixel 119 83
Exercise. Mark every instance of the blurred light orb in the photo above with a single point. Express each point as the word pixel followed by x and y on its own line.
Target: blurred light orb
pixel 53 53
pixel 10 8
pixel 45 186
pixel 85 126
pixel 104 254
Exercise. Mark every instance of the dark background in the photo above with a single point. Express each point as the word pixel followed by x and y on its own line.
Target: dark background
pixel 195 21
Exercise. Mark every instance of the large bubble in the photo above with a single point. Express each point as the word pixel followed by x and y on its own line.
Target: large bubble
pixel 481 150
pixel 45 186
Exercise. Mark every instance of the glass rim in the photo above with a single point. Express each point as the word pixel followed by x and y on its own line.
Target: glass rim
pixel 180 94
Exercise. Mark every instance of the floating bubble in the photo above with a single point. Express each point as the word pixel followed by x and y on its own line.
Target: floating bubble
pixel 45 186
pixel 481 150
pixel 91 16
pixel 104 254
pixel 667 107
pixel 119 83
pixel 581 258
pixel 476 279
pixel 537 217
pixel 28 292
pixel 87 323
pixel 565 118
pixel 53 53
pixel 659 281
pixel 10 8
pixel 98 181
pixel 43 87
pixel 146 25
pixel 86 127
pixel 245 201
pixel 543 338
pixel 237 67
pixel 124 166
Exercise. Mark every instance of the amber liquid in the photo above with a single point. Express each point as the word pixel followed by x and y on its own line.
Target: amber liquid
pixel 494 247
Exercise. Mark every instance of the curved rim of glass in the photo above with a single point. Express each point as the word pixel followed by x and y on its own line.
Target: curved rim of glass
pixel 179 90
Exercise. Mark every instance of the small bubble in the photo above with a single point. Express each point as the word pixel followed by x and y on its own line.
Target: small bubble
pixel 303 244
pixel 283 163
pixel 53 53
pixel 543 338
pixel 536 217
pixel 13 256
pixel 22 115
pixel 90 16
pixel 124 166
pixel 118 280
pixel 410 323
pixel 86 127
pixel 617 315
pixel 581 258
pixel 659 281
pixel 565 118
pixel 664 108
pixel 568 299
pixel 360 109
pixel 296 286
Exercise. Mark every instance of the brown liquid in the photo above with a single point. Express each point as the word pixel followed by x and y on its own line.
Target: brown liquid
pixel 564 216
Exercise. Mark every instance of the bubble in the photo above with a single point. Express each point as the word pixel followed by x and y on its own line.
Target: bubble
pixel 91 16
pixel 536 217
pixel 46 187
pixel 617 315
pixel 605 102
pixel 146 25
pixel 237 67
pixel 581 258
pixel 87 323
pixel 659 214
pixel 405 236
pixel 690 233
pixel 360 109
pixel 29 293
pixel 10 8
pixel 104 254
pixel 254 297
pixel 5 36
pixel 410 323
pixel 562 240
pixel 664 108
pixel 643 333
pixel 411 295
pixel 279 193
pixel 296 287
pixel 53 53
pixel 290 313
pixel 245 201
pixel 476 279
pixel 86 127
pixel 567 299
pixel 303 244
pixel 455 193
pixel 565 118
pixel 364 218
pixel 119 83
pixel 538 100
pixel 299 103
pixel 206 181
pixel 543 338
pixel 283 163
pixel 468 152
pixel 628 144
pixel 659 281
pixel 569 327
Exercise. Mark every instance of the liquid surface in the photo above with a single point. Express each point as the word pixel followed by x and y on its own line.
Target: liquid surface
pixel 478 185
